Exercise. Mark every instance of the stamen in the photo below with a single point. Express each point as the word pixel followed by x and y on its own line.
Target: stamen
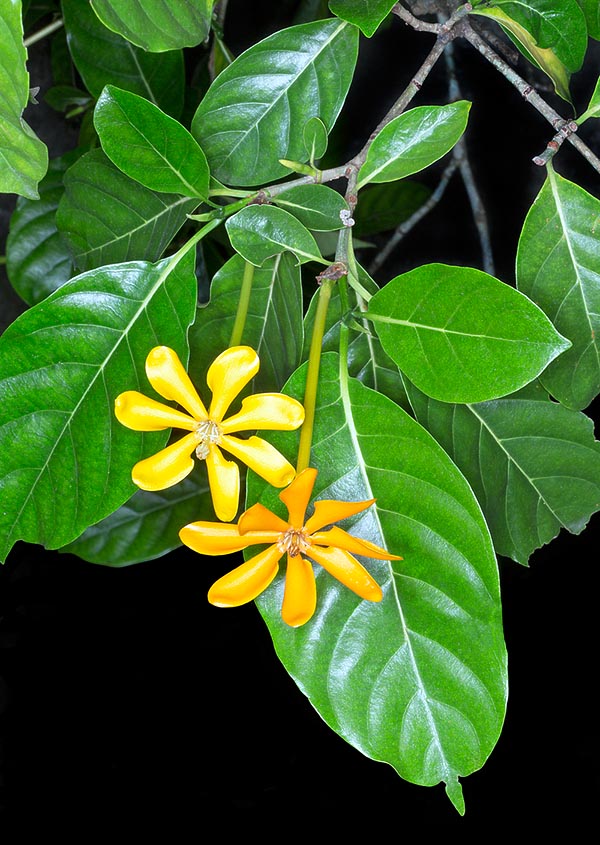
pixel 294 542
pixel 207 432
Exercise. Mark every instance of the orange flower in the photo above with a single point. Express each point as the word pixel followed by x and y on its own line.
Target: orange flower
pixel 208 430
pixel 296 537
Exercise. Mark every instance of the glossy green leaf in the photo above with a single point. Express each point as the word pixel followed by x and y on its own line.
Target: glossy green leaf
pixel 593 109
pixel 558 267
pixel 106 217
pixel 316 206
pixel 149 146
pixel 273 325
pixel 23 157
pixel 157 25
pixel 535 458
pixel 461 335
pixel 419 679
pixel 383 207
pixel 38 260
pixel 254 112
pixel 591 12
pixel 260 232
pixel 315 139
pixel 102 57
pixel 413 141
pixel 367 15
pixel 147 526
pixel 66 460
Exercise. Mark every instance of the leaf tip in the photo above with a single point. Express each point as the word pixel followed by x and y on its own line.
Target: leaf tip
pixel 455 794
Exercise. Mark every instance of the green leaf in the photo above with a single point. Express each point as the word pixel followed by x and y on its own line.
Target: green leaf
pixel 591 11
pixel 316 206
pixel 157 25
pixel 145 527
pixel 273 325
pixel 106 217
pixel 102 57
pixel 558 267
pixel 536 458
pixel 418 680
pixel 367 15
pixel 38 260
pixel 413 141
pixel 383 207
pixel 555 24
pixel 66 460
pixel 148 146
pixel 23 157
pixel 260 232
pixel 593 109
pixel 461 335
pixel 253 113
pixel 63 98
pixel 315 139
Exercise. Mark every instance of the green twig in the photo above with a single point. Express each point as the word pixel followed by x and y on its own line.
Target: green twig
pixel 43 32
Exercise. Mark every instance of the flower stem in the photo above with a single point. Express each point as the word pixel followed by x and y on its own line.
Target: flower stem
pixel 312 375
pixel 242 309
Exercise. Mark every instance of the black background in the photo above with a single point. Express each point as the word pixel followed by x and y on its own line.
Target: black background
pixel 129 701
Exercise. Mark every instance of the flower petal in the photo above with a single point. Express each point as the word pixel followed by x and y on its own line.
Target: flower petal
pixel 348 570
pixel 330 510
pixel 224 483
pixel 168 377
pixel 300 594
pixel 297 496
pixel 260 518
pixel 261 457
pixel 167 467
pixel 228 374
pixel 247 581
pixel 141 413
pixel 340 539
pixel 270 411
pixel 217 538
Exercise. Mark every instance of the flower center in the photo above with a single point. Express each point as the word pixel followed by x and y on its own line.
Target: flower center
pixel 294 542
pixel 207 432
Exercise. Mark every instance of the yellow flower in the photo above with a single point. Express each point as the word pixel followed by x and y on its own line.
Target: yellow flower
pixel 296 537
pixel 208 430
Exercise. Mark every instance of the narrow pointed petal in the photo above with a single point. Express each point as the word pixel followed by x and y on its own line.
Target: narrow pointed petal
pixel 261 457
pixel 297 496
pixel 167 467
pixel 348 570
pixel 141 413
pixel 168 377
pixel 224 483
pixel 269 411
pixel 300 594
pixel 260 518
pixel 340 539
pixel 228 375
pixel 216 538
pixel 247 581
pixel 328 511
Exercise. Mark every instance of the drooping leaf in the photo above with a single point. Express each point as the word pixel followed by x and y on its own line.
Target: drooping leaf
pixel 558 267
pixel 316 206
pixel 149 146
pixel 250 116
pixel 106 217
pixel 367 15
pixel 557 25
pixel 23 157
pixel 461 335
pixel 38 260
pixel 533 464
pixel 102 57
pixel 273 325
pixel 419 679
pixel 413 141
pixel 145 527
pixel 66 460
pixel 260 232
pixel 157 25
pixel 315 139
pixel 383 207
pixel 591 11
